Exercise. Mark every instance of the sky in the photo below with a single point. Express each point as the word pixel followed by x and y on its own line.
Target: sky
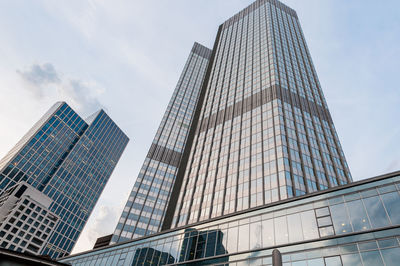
pixel 125 56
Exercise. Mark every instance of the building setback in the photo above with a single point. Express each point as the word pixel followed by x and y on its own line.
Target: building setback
pixel 257 130
pixel 264 132
pixel 262 168
pixel 145 209
pixel 69 160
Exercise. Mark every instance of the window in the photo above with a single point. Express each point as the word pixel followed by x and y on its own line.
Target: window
pixel 376 212
pixel 333 261
pixel 391 256
pixel 295 227
pixel 340 218
pixel 243 243
pixel 372 258
pixel 358 216
pixel 391 201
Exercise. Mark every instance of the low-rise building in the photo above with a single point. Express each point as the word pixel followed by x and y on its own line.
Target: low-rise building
pixel 25 219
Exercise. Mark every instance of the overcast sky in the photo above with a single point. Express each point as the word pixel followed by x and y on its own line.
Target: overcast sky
pixel 126 57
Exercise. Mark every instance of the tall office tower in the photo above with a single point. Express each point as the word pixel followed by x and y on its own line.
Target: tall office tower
pixel 261 141
pixel 69 160
pixel 145 209
pixel 264 132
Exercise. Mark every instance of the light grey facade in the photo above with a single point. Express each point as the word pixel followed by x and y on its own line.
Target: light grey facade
pixel 26 222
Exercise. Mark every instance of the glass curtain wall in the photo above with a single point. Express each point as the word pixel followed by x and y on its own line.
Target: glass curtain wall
pixel 265 132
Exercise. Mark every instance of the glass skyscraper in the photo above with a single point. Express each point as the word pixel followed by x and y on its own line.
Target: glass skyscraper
pixel 145 210
pixel 264 132
pixel 261 167
pixel 69 160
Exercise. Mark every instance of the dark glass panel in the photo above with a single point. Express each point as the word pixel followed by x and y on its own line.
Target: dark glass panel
pixel 210 246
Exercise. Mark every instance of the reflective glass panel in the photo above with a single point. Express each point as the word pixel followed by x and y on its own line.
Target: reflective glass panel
pixel 281 232
pixel 309 224
pixel 255 235
pixel 391 201
pixel 295 228
pixel 299 263
pixel 371 258
pixel 326 231
pixel 358 216
pixel 333 261
pixel 351 259
pixel 322 212
pixel 315 262
pixel 340 219
pixel 211 241
pixel 391 256
pixel 232 239
pixel 268 238
pixel 243 237
pixel 324 221
pixel 376 212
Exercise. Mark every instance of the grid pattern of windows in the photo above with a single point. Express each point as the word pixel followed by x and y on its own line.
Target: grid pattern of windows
pixel 25 224
pixel 38 159
pixel 381 251
pixel 70 161
pixel 145 209
pixel 254 234
pixel 79 181
pixel 265 133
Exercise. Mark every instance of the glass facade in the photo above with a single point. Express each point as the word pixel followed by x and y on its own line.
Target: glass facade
pixel 265 132
pixel 357 224
pixel 69 160
pixel 261 167
pixel 145 209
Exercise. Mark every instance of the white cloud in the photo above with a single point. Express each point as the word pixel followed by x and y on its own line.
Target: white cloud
pixel 96 228
pixel 40 74
pixel 104 219
pixel 138 49
pixel 43 81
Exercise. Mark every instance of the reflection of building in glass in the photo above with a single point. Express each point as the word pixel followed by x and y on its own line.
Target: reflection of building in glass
pixel 357 224
pixel 202 244
pixel 145 209
pixel 151 256
pixel 69 160
pixel 260 168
